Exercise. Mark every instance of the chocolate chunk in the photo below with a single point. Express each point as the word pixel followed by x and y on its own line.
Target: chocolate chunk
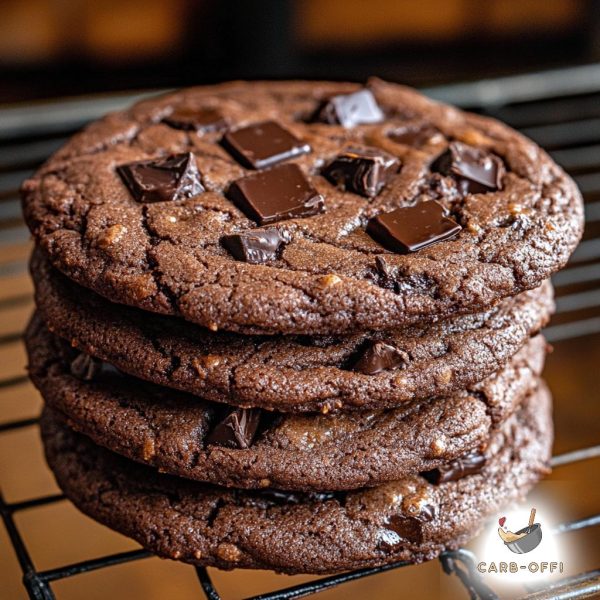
pixel 364 171
pixel 349 110
pixel 470 464
pixel 202 120
pixel 255 246
pixel 88 368
pixel 276 194
pixel 411 528
pixel 414 135
pixel 159 180
pixel 385 275
pixel 379 356
pixel 475 171
pixel 407 528
pixel 263 145
pixel 412 228
pixel 236 430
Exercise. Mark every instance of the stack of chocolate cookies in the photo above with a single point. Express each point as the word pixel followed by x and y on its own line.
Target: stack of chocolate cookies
pixel 296 325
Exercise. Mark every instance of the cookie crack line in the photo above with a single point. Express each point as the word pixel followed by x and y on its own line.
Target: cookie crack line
pixel 464 274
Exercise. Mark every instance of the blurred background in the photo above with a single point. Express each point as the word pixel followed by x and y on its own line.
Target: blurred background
pixel 50 49
pixel 58 47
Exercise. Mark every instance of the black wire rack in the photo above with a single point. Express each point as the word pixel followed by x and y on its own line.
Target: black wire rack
pixel 558 109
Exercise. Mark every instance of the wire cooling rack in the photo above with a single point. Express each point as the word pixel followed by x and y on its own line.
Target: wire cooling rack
pixel 559 109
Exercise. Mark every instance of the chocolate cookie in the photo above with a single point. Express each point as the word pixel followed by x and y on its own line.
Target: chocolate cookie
pixel 292 373
pixel 324 208
pixel 412 519
pixel 183 435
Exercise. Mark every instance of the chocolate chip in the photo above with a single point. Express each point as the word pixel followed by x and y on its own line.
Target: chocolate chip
pixel 378 356
pixel 255 246
pixel 202 120
pixel 349 110
pixel 414 135
pixel 263 145
pixel 412 228
pixel 276 194
pixel 159 180
pixel 88 368
pixel 237 429
pixel 474 170
pixel 364 171
pixel 470 464
pixel 411 528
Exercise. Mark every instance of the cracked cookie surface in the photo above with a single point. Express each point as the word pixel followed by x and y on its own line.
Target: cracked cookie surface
pixel 172 430
pixel 292 373
pixel 410 519
pixel 330 277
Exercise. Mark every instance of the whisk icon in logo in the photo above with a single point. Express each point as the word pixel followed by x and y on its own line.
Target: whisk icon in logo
pixel 523 541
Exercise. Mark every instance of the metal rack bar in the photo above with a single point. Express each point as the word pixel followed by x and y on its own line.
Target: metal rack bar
pixel 92 565
pixel 320 585
pixel 584 585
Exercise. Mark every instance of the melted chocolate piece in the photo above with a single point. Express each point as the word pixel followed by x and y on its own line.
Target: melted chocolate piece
pixel 237 429
pixel 202 120
pixel 348 110
pixel 379 356
pixel 255 246
pixel 407 528
pixel 412 228
pixel 263 145
pixel 411 528
pixel 276 194
pixel 88 368
pixel 474 170
pixel 159 180
pixel 414 135
pixel 470 464
pixel 364 171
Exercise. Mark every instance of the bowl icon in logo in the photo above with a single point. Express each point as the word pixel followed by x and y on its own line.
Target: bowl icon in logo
pixel 525 540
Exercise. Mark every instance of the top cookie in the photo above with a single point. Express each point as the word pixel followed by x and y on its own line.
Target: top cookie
pixel 303 207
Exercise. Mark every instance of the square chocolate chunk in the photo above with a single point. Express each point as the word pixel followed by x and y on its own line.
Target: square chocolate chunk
pixel 163 179
pixel 263 144
pixel 364 171
pixel 237 429
pixel 348 110
pixel 375 357
pixel 276 194
pixel 475 170
pixel 255 246
pixel 412 228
